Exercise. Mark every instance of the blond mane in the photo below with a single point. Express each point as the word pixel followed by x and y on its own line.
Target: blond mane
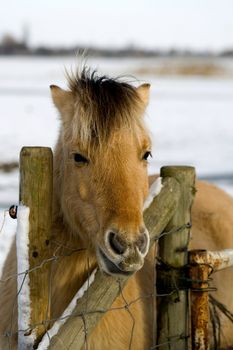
pixel 102 105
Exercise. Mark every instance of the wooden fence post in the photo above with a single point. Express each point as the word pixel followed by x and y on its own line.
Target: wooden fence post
pixel 36 167
pixel 172 310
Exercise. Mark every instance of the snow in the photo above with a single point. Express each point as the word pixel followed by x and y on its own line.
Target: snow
pixel 22 246
pixel 155 189
pixel 190 119
pixel 68 311
pixel 7 234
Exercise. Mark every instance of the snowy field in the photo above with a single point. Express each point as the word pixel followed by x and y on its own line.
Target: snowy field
pixel 190 119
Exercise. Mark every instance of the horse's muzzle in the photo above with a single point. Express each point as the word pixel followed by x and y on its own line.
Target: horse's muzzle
pixel 110 267
pixel 121 253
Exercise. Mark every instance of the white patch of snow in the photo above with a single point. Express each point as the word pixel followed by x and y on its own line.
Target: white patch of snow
pixel 68 311
pixel 22 246
pixel 153 192
pixel 182 110
pixel 7 234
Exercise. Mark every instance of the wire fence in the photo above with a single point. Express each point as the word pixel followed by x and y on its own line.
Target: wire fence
pixel 61 251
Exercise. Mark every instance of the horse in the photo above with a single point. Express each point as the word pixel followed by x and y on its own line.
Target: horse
pixel 100 186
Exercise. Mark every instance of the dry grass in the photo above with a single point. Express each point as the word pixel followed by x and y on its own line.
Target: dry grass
pixel 183 69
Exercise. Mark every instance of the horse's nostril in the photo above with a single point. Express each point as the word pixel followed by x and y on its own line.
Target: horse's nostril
pixel 142 243
pixel 116 243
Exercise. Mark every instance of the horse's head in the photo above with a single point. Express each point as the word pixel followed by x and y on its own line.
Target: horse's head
pixel 101 168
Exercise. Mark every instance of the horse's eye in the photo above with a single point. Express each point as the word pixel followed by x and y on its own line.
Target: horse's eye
pixel 147 155
pixel 78 158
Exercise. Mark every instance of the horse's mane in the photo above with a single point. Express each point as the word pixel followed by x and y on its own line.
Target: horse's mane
pixel 102 105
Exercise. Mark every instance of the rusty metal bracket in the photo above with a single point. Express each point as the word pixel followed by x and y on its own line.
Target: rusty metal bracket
pixel 199 271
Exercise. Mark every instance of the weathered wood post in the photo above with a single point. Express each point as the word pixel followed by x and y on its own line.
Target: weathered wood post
pixel 36 167
pixel 172 312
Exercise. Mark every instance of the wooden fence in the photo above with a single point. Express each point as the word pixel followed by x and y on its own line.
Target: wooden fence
pixel 168 221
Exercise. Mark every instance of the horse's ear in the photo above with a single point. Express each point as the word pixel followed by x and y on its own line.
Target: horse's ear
pixel 62 99
pixel 144 93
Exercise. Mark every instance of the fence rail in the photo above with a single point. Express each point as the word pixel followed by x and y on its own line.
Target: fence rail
pixel 179 272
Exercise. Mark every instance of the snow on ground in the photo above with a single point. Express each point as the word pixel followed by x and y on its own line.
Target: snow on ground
pixel 193 126
pixel 190 119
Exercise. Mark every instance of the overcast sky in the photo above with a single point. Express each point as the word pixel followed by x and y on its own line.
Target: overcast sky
pixel 198 24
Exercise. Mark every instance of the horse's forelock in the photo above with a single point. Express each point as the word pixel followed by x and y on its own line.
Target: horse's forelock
pixel 103 105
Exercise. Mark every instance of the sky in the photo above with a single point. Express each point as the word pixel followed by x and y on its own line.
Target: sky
pixel 192 24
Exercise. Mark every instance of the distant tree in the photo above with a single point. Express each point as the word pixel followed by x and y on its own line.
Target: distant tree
pixel 8 40
pixel 10 45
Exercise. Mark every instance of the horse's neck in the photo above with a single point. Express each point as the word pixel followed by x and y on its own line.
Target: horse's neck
pixel 72 267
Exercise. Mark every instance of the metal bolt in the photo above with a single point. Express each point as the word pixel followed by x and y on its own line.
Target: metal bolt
pixel 13 211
